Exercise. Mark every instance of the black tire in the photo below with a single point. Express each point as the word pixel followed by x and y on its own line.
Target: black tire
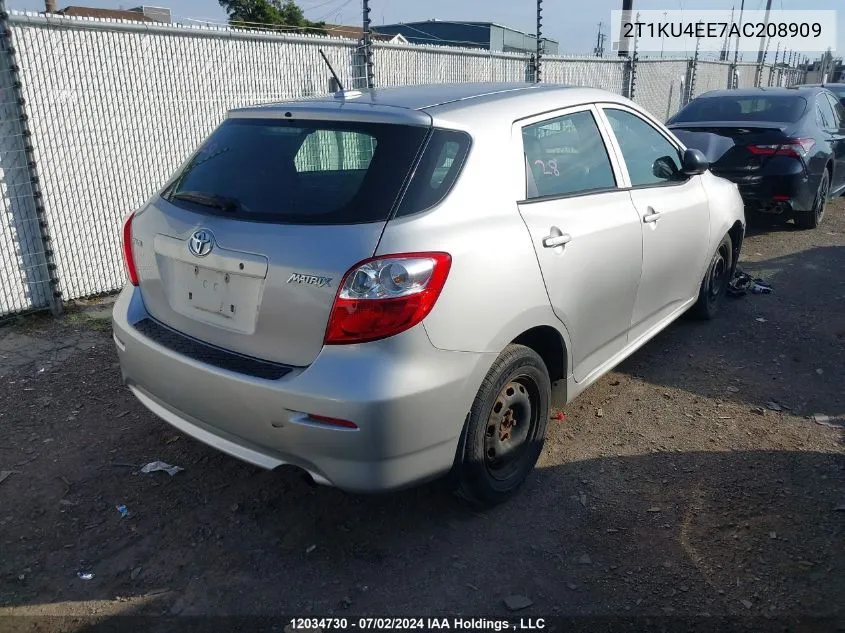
pixel 509 414
pixel 714 286
pixel 811 219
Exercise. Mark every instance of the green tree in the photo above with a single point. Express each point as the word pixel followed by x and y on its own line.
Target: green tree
pixel 282 14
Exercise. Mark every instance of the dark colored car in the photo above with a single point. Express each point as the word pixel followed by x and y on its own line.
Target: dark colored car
pixel 836 89
pixel 783 147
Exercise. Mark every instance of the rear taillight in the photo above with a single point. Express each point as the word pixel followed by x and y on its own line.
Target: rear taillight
pixel 386 295
pixel 795 147
pixel 128 257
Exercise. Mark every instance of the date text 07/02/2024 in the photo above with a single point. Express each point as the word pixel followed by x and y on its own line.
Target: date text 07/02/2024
pixel 412 624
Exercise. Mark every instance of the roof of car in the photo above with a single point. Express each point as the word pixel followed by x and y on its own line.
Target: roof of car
pixel 517 99
pixel 754 92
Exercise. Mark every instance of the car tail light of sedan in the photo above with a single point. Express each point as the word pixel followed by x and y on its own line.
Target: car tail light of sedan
pixel 795 147
pixel 385 295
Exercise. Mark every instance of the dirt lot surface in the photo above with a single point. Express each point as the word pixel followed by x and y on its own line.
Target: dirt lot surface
pixel 692 480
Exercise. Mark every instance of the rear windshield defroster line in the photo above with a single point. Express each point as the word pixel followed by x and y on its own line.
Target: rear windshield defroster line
pixel 299 172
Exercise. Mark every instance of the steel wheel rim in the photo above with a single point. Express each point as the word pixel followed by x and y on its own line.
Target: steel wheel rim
pixel 718 273
pixel 511 425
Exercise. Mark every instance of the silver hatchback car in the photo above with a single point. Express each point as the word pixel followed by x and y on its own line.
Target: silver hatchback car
pixel 383 287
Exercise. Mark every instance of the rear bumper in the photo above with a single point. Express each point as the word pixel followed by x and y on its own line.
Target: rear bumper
pixel 781 191
pixel 408 399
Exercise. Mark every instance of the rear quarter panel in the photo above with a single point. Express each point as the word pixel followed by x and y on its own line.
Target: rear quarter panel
pixel 495 290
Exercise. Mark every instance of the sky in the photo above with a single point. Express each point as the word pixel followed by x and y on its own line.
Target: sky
pixel 576 32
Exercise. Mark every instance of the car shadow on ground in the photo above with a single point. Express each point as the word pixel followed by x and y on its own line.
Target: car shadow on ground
pixel 764 350
pixel 670 535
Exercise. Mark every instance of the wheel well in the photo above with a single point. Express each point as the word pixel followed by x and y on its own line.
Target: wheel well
pixel 829 168
pixel 737 233
pixel 547 342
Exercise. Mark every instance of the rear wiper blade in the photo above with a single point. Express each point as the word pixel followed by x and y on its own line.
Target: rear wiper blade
pixel 208 200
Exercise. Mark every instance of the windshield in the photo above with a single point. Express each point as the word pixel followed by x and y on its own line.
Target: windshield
pixel 299 172
pixel 781 108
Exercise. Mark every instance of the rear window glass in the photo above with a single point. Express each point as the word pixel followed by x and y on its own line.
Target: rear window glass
pixel 299 172
pixel 437 172
pixel 786 109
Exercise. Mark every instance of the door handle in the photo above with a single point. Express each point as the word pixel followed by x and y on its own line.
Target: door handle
pixel 651 215
pixel 553 241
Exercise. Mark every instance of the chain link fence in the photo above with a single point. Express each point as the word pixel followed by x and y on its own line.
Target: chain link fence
pixel 95 115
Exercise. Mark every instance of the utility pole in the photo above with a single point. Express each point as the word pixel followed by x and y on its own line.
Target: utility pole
pixel 368 46
pixel 539 40
pixel 598 51
pixel 662 38
pixel 627 8
pixel 763 45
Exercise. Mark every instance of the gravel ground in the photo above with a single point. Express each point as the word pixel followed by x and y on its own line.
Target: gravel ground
pixel 692 480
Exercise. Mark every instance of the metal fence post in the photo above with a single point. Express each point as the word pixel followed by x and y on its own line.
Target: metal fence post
pixel 539 59
pixel 368 46
pixel 26 202
pixel 692 69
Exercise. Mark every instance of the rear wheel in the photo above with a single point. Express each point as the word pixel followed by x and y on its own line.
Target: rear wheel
pixel 714 286
pixel 506 427
pixel 811 219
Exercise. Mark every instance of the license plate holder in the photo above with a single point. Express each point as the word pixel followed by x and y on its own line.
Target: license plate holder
pixel 212 291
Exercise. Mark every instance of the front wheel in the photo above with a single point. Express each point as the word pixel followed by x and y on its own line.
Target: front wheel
pixel 506 427
pixel 714 286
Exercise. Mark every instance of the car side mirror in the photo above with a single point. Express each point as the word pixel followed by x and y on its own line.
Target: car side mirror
pixel 694 163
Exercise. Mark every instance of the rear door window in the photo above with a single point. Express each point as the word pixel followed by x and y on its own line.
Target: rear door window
pixel 299 172
pixel 565 156
pixel 825 112
pixel 838 112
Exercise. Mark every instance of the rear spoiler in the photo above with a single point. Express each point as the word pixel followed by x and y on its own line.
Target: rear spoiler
pixel 746 125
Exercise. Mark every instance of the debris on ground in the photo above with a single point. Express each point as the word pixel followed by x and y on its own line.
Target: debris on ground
pixel 135 573
pixel 826 420
pixel 742 283
pixel 163 466
pixel 123 511
pixel 599 412
pixel 517 603
pixel 558 416
pixel 85 575
pixel 310 549
pixel 585 559
pixel 5 474
pixel 774 406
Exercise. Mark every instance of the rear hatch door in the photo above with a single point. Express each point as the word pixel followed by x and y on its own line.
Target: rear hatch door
pixel 246 246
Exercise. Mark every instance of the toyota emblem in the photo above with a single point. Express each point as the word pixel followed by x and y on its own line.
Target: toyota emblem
pixel 201 243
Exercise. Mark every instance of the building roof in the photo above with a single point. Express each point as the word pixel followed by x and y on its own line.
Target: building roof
pixel 467 23
pixel 355 32
pixel 111 14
